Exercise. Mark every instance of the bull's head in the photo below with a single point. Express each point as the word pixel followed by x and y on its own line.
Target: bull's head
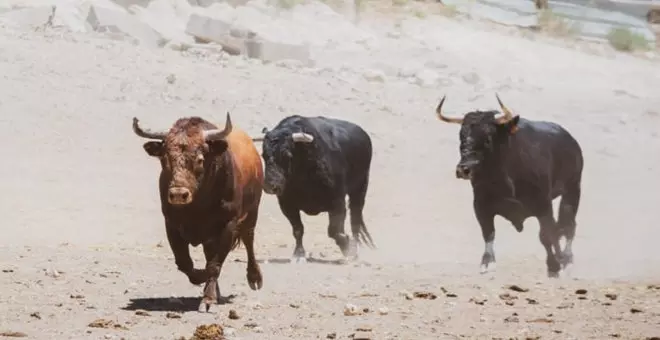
pixel 277 151
pixel 482 132
pixel 187 153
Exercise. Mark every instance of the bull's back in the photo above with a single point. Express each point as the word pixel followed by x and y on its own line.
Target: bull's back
pixel 247 167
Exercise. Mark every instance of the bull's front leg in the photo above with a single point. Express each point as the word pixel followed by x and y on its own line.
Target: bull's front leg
pixel 182 258
pixel 215 252
pixel 486 221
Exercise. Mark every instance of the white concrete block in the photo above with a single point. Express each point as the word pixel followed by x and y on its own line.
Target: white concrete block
pixel 270 51
pixel 30 17
pixel 104 19
pixel 206 28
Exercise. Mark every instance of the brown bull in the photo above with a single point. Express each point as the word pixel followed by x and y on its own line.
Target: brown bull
pixel 210 188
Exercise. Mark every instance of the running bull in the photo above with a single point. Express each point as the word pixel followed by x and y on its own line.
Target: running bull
pixel 517 167
pixel 311 164
pixel 210 187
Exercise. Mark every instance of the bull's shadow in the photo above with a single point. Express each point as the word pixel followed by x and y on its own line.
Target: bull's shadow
pixel 310 259
pixel 171 304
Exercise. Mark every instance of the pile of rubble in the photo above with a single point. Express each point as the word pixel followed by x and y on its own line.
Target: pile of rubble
pixel 251 28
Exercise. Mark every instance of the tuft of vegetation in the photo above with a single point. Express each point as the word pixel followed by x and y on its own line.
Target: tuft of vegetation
pixel 623 39
pixel 288 4
pixel 555 25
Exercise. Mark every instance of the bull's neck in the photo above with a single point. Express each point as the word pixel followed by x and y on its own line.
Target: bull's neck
pixel 218 182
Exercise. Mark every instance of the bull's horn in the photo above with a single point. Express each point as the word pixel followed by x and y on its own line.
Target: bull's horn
pixel 147 133
pixel 444 118
pixel 257 139
pixel 217 134
pixel 302 137
pixel 507 113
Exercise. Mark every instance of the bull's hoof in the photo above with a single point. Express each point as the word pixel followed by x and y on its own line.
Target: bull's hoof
pixel 487 267
pixel 205 305
pixel 298 259
pixel 255 281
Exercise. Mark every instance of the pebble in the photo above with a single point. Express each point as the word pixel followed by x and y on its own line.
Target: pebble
pixel 383 311
pixel 374 75
pixel 351 310
pixel 233 315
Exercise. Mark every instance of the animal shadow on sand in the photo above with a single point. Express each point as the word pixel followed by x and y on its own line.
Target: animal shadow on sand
pixel 171 304
pixel 308 259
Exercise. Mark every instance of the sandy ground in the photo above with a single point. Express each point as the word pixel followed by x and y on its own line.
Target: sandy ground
pixel 83 237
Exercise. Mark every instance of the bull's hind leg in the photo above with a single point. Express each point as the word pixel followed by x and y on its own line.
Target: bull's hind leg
pixel 356 206
pixel 254 277
pixel 568 208
pixel 215 252
pixel 549 236
pixel 337 217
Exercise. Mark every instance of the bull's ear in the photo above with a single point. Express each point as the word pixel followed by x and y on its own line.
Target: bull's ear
pixel 512 125
pixel 217 147
pixel 153 148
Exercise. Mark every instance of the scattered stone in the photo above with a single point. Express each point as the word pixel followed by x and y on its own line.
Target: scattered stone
pixel 635 310
pixel 7 270
pixel 171 79
pixel 615 335
pixel 172 315
pixel 508 297
pixel 383 311
pixel 351 310
pixel 36 315
pixel 512 318
pixel 11 334
pixel 233 315
pixel 251 325
pixel 364 328
pixel 77 296
pixel 653 286
pixel 294 305
pixel 53 273
pixel 106 324
pixel 332 335
pixel 374 76
pixel 425 295
pixel 582 297
pixel 518 289
pixel 362 336
pixel 541 320
pixel 565 305
pixel 606 303
pixel 478 301
pixel 451 295
pixel 611 296
pixel 142 312
pixel 581 292
pixel 532 301
pixel 209 332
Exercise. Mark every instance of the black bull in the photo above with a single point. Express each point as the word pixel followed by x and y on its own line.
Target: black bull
pixel 311 164
pixel 517 167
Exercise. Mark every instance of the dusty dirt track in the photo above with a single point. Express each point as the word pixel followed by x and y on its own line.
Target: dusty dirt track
pixel 83 237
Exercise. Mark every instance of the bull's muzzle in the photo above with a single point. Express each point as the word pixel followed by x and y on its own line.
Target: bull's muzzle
pixel 272 189
pixel 179 196
pixel 463 171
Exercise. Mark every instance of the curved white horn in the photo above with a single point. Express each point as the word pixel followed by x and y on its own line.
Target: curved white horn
pixel 302 137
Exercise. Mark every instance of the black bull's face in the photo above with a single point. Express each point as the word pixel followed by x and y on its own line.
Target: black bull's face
pixel 480 134
pixel 277 151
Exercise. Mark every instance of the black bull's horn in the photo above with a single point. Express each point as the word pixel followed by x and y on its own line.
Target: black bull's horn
pixel 505 117
pixel 215 134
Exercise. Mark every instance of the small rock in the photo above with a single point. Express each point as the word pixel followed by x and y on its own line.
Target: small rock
pixel 478 301
pixel 294 305
pixel 171 315
pixel 582 297
pixel 36 315
pixel 171 79
pixel 233 315
pixel 251 325
pixel 374 76
pixel 541 320
pixel 364 328
pixel 581 291
pixel 362 336
pixel 508 297
pixel 7 270
pixel 509 303
pixel 425 295
pixel 451 295
pixel 635 310
pixel 383 311
pixel 565 305
pixel 532 301
pixel 101 323
pixel 332 335
pixel 470 78
pixel 511 319
pixel 53 273
pixel 142 312
pixel 11 334
pixel 611 296
pixel 351 310
pixel 518 289
pixel 77 296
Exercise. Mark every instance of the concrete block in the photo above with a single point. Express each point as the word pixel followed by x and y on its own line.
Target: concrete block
pixel 271 51
pixel 104 19
pixel 30 17
pixel 206 28
pixel 208 3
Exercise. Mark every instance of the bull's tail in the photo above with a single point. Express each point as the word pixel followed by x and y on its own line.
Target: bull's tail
pixel 363 237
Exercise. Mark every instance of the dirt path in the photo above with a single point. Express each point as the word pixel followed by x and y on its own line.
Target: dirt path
pixel 83 235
